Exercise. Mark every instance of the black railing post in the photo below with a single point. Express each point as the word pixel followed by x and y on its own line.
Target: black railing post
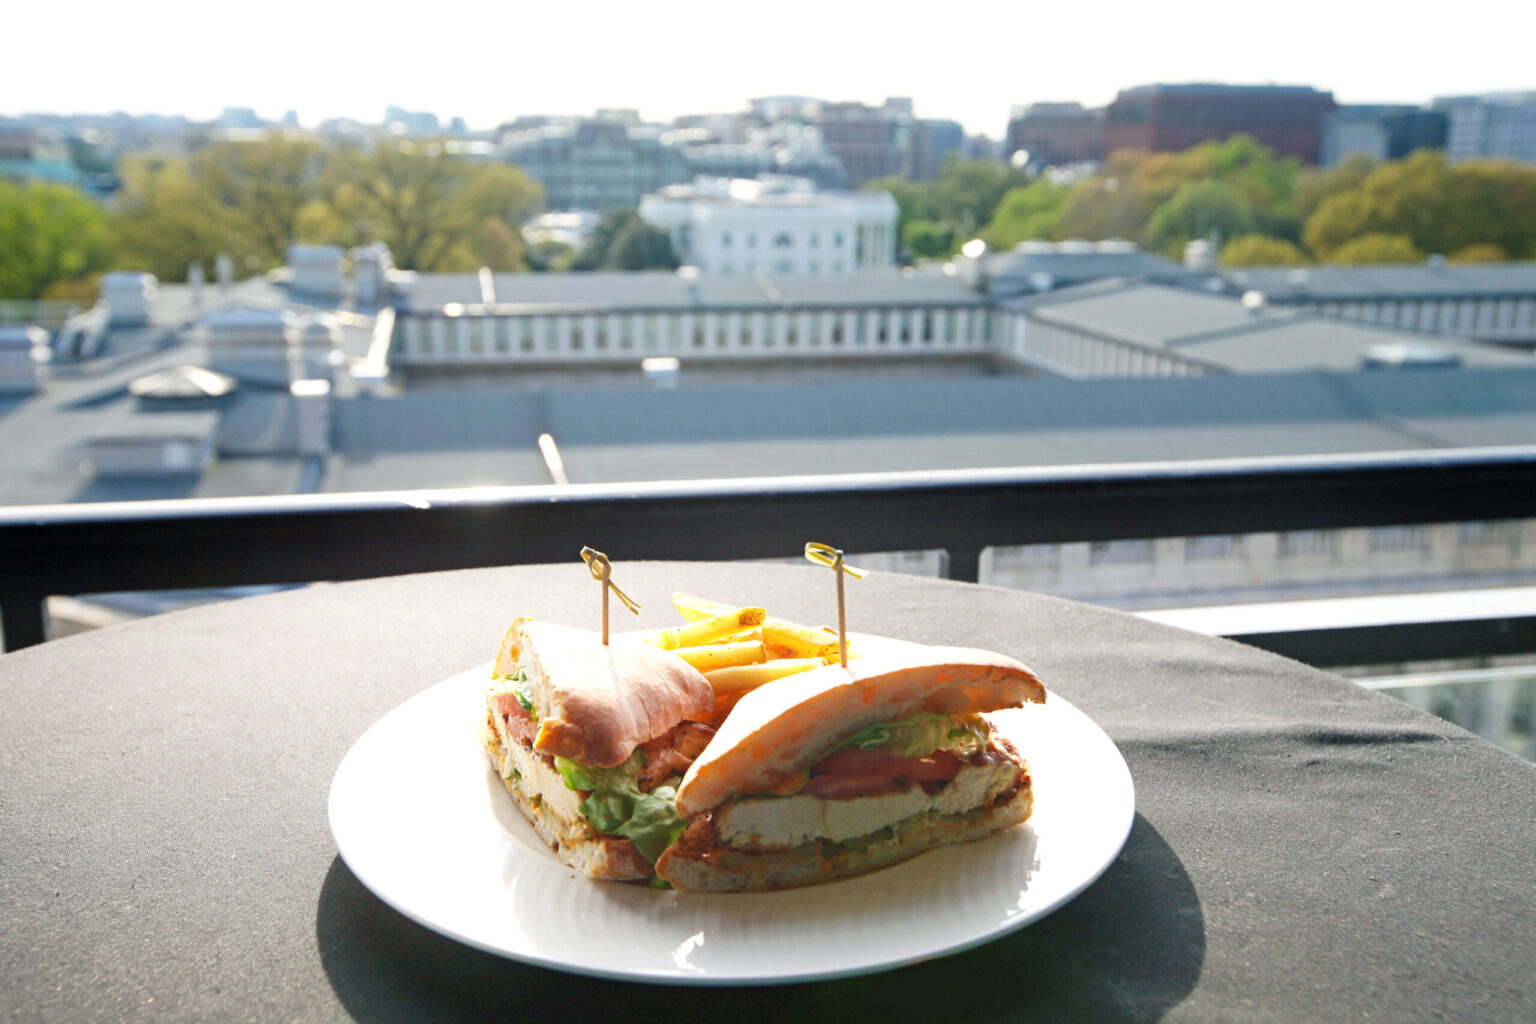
pixel 963 564
pixel 21 620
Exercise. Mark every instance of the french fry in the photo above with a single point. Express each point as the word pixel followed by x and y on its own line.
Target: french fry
pixel 800 641
pixel 755 633
pixel 712 657
pixel 711 629
pixel 740 678
pixel 692 609
pixel 780 635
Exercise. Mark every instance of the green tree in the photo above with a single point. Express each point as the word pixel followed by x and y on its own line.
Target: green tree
pixel 49 234
pixel 264 186
pixel 167 220
pixel 927 240
pixel 639 246
pixel 497 246
pixel 1033 211
pixel 1200 209
pixel 1482 252
pixel 1438 207
pixel 1377 247
pixel 1261 251
pixel 621 240
pixel 961 199
pixel 550 256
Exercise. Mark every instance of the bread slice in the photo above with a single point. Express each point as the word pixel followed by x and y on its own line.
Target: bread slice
pixel 783 727
pixel 597 703
pixel 540 794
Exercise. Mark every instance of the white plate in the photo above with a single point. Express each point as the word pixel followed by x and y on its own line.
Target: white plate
pixel 422 820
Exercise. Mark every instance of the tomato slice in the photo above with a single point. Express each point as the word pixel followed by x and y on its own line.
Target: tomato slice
pixel 507 704
pixel 852 772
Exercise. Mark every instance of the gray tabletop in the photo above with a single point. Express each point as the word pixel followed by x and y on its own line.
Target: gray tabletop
pixel 1303 849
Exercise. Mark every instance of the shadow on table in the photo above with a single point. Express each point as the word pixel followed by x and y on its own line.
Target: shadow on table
pixel 1128 948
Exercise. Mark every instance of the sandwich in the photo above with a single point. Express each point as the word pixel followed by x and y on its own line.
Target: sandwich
pixel 839 771
pixel 591 740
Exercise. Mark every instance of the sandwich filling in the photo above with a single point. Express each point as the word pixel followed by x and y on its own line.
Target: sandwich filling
pixel 633 800
pixel 872 781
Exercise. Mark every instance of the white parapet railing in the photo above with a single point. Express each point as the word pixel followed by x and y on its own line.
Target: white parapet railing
pixel 469 335
pixel 43 313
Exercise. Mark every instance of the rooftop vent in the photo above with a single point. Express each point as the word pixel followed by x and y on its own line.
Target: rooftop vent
pixel 23 352
pixel 1118 246
pixel 1075 246
pixel 1035 247
pixel 129 297
pixel 371 265
pixel 316 270
pixel 1409 355
pixel 1199 254
pixel 250 343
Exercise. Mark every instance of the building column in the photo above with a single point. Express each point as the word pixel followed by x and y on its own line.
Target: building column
pixel 437 344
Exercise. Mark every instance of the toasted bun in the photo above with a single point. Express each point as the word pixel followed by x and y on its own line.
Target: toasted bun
pixel 695 864
pixel 597 703
pixel 782 727
pixel 577 846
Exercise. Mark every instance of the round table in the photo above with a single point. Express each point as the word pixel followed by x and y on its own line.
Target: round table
pixel 1302 848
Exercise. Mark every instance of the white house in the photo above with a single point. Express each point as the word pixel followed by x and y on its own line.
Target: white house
pixel 774 225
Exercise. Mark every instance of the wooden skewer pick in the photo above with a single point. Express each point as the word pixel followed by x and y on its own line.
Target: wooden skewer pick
pixel 825 554
pixel 602 571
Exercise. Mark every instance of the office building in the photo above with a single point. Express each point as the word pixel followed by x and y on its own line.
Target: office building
pixel 1380 132
pixel 1496 126
pixel 1170 118
pixel 871 142
pixel 595 164
pixel 1054 134
pixel 934 141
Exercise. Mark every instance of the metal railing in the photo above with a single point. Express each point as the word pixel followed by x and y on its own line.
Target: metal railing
pixel 156 545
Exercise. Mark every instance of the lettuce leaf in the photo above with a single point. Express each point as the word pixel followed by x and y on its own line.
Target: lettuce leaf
pixel 517 685
pixel 616 806
pixel 921 735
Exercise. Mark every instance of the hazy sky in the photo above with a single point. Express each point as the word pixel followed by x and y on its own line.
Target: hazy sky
pixel 488 62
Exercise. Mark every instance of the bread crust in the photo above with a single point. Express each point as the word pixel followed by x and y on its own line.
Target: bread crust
pixel 597 703
pixel 696 863
pixel 782 727
pixel 574 843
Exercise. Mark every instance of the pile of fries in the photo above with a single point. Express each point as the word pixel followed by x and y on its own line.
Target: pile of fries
pixel 740 649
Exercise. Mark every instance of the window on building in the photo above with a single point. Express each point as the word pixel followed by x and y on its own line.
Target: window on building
pixel 725 239
pixel 751 239
pixel 837 240
pixel 784 267
pixel 1120 552
pixel 815 239
pixel 783 240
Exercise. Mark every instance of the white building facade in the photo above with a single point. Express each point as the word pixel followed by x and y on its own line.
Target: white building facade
pixel 775 226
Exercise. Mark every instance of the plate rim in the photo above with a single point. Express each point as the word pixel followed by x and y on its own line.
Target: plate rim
pixel 1122 781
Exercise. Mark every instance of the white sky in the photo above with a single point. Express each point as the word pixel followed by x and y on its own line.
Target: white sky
pixel 489 62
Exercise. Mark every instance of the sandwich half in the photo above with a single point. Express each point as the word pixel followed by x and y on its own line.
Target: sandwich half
pixel 591 740
pixel 839 771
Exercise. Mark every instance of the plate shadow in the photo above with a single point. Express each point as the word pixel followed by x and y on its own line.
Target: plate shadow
pixel 1127 949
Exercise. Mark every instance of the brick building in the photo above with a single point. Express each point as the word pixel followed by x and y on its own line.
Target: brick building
pixel 1169 118
pixel 1055 133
